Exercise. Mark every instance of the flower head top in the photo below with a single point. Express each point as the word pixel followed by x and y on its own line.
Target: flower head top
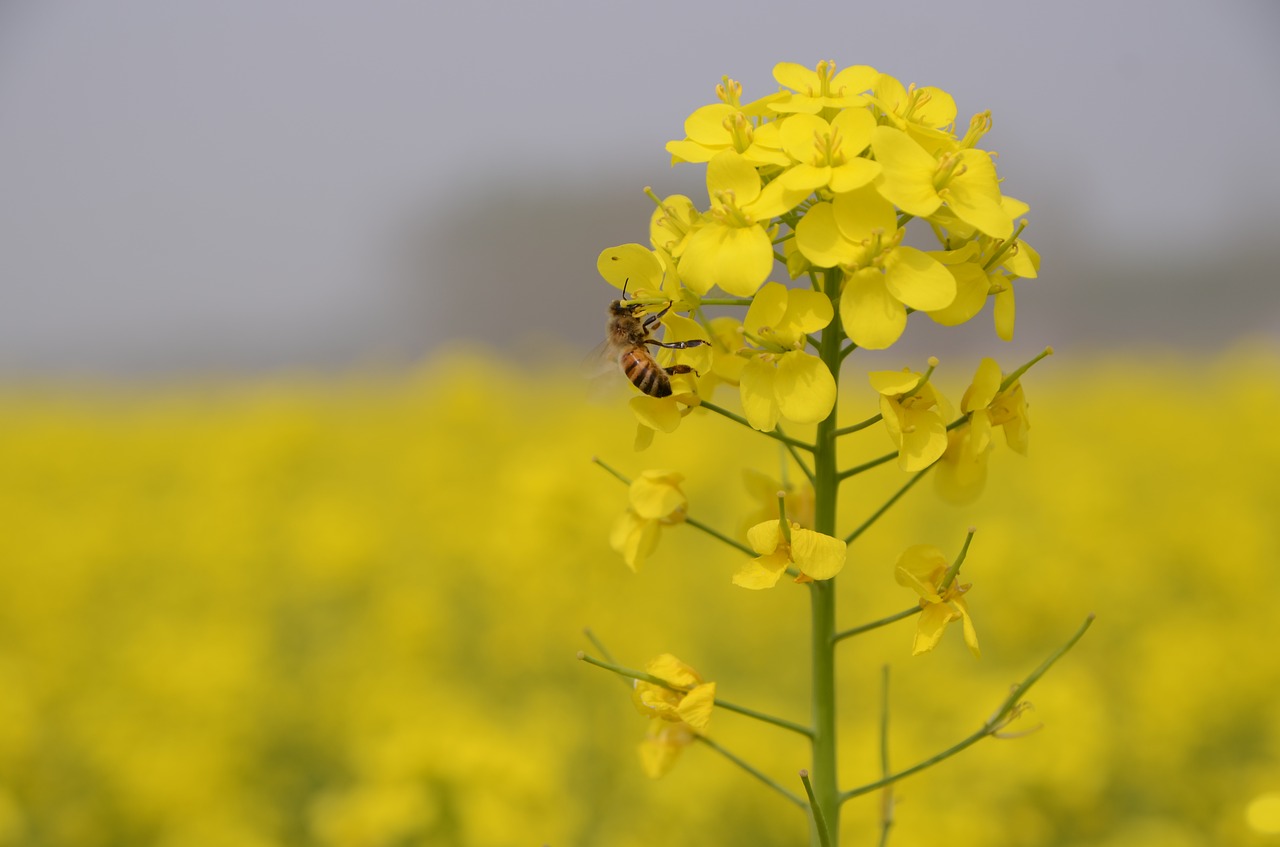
pixel 823 88
pixel 923 569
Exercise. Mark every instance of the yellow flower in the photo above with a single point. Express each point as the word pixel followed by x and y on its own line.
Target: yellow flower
pixel 731 248
pixel 782 380
pixel 918 182
pixel 962 473
pixel 679 713
pixel 655 500
pixel 763 489
pixel 858 230
pixel 922 568
pixel 915 417
pixel 926 114
pixel 823 88
pixel 815 555
pixel 721 126
pixel 828 153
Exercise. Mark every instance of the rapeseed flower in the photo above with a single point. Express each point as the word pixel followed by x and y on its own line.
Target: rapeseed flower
pixel 815 555
pixel 914 416
pixel 654 501
pixel 780 379
pixel 923 569
pixel 679 713
pixel 822 88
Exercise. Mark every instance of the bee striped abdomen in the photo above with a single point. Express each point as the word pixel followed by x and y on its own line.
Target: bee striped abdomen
pixel 645 373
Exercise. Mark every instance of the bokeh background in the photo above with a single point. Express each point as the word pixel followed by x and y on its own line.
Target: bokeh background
pixel 299 528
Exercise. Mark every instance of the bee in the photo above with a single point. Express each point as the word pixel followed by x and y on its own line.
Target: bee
pixel 628 334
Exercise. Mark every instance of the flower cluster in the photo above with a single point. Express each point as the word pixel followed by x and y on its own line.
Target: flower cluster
pixel 836 207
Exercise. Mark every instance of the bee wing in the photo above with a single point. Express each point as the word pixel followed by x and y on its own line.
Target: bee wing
pixel 603 376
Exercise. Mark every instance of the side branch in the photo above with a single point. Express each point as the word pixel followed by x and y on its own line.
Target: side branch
pixel 785 439
pixel 631 673
pixel 993 725
pixel 867 627
pixel 793 797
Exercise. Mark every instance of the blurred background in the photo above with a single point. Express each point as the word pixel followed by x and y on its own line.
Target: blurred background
pixel 278 568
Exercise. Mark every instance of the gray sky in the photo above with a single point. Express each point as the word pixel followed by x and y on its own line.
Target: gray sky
pixel 240 185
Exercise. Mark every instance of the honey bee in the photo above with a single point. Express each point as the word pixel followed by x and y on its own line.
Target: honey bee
pixel 628 334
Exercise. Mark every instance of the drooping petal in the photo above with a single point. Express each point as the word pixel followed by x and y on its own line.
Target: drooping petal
pixel 765 536
pixel 634 538
pixel 660 413
pixel 756 388
pixel 656 495
pixel 1005 310
pixel 818 556
pixel 918 280
pixel 872 317
pixel 933 621
pixel 962 474
pixel 986 382
pixel 970 634
pixel 804 388
pixel 695 707
pixel 764 572
pixel 972 287
pixel 661 746
pixel 924 440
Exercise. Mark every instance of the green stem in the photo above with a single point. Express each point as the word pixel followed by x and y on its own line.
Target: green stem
pixel 871 421
pixel 794 442
pixel 725 301
pixel 792 796
pixel 867 627
pixel 848 539
pixel 886 801
pixel 819 819
pixel 993 725
pixel 866 466
pixel 631 673
pixel 822 600
pixel 715 533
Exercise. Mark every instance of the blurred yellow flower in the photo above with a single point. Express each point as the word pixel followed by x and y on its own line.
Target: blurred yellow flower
pixel 923 568
pixel 654 501
pixel 688 698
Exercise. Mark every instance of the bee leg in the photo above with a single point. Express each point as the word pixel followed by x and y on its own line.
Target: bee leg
pixel 680 369
pixel 677 345
pixel 650 320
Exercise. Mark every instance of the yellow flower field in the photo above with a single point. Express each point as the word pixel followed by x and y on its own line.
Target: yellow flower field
pixel 346 613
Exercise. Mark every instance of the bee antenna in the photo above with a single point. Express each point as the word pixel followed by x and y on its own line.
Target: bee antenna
pixel 624 287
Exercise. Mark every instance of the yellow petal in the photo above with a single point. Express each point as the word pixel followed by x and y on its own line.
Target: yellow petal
pixel 986 382
pixel 1005 312
pixel 756 388
pixel 634 538
pixel 728 171
pixel 872 317
pixel 819 240
pixel 767 308
pixel 660 413
pixel 972 287
pixel 853 174
pixel 765 537
pixel 855 127
pixel 670 669
pixel 764 572
pixel 633 265
pixel 818 556
pixel 804 388
pixel 706 124
pixel 933 620
pixel 893 383
pixel 807 311
pixel 797 134
pixel 970 634
pixel 695 707
pixel 926 563
pixel 924 440
pixel 738 259
pixel 918 280
pixel 907 178
pixel 862 213
pixel 655 495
